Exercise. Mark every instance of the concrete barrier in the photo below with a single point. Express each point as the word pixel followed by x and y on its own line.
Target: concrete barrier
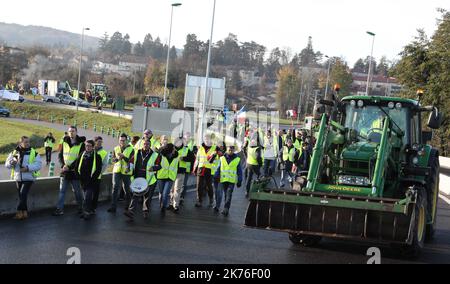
pixel 44 195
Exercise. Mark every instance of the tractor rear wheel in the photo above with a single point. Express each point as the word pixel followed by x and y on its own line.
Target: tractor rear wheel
pixel 304 240
pixel 420 221
pixel 432 196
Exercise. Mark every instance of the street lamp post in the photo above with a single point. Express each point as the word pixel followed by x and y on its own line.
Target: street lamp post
pixel 79 67
pixel 328 75
pixel 168 50
pixel 208 66
pixel 370 63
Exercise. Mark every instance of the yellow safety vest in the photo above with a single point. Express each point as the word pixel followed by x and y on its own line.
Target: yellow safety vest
pixel 150 175
pixel 70 154
pixel 215 165
pixel 251 156
pixel 228 172
pixel 121 166
pixel 94 164
pixel 103 153
pixel 48 143
pixel 168 171
pixel 33 155
pixel 274 144
pixel 182 153
pixel 203 157
pixel 288 155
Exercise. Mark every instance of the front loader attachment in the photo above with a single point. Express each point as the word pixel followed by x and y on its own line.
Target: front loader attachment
pixel 331 215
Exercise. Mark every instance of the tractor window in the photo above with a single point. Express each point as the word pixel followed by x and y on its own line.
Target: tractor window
pixel 367 121
pixel 415 126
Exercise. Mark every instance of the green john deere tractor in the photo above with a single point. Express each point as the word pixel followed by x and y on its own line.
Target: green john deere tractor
pixel 372 177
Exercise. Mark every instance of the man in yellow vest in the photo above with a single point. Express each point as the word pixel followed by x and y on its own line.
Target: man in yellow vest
pixel 89 169
pixel 121 171
pixel 206 155
pixel 148 135
pixel 254 162
pixel 289 153
pixel 24 163
pixel 229 175
pixel 72 148
pixel 168 172
pixel 49 142
pixel 187 160
pixel 105 162
pixel 146 164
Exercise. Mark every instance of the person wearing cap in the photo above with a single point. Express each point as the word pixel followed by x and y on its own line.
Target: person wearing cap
pixel 89 168
pixel 229 175
pixel 206 155
pixel 148 135
pixel 105 161
pixel 168 173
pixel 254 162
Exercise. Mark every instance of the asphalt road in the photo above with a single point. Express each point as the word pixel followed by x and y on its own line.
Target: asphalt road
pixel 193 236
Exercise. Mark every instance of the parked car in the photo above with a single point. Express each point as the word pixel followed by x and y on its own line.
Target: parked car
pixel 4 111
pixel 68 100
pixel 50 99
pixel 8 95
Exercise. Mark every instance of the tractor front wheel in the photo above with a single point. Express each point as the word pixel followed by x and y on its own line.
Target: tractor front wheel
pixel 420 224
pixel 304 240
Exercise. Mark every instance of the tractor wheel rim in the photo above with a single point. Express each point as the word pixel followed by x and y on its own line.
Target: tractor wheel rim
pixel 421 224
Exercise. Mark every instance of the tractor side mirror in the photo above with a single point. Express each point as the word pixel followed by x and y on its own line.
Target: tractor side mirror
pixel 327 102
pixel 435 119
pixel 426 136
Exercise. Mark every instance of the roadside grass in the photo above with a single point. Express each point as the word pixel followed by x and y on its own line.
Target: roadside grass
pixel 10 133
pixel 70 117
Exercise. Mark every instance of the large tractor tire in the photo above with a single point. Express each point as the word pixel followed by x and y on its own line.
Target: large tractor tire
pixel 420 223
pixel 432 196
pixel 304 240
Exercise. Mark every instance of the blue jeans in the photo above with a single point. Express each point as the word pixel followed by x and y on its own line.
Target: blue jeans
pixel 227 190
pixel 23 188
pixel 118 179
pixel 76 188
pixel 164 192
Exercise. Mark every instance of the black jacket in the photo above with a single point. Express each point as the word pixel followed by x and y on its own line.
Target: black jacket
pixel 71 175
pixel 86 177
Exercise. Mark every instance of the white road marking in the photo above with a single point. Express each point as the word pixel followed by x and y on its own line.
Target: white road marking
pixel 445 199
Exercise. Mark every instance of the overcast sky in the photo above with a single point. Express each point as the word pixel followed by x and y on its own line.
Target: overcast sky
pixel 338 28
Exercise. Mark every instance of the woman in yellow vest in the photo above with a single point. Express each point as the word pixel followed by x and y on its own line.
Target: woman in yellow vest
pixel 255 161
pixel 168 172
pixel 49 142
pixel 89 169
pixel 229 175
pixel 24 163
pixel 187 160
pixel 105 162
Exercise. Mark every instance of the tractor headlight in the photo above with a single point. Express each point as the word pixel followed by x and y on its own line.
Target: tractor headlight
pixel 415 160
pixel 360 103
pixel 353 180
pixel 353 103
pixel 398 106
pixel 391 105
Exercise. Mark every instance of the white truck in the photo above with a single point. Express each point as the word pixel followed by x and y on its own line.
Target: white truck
pixel 8 95
pixel 53 88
